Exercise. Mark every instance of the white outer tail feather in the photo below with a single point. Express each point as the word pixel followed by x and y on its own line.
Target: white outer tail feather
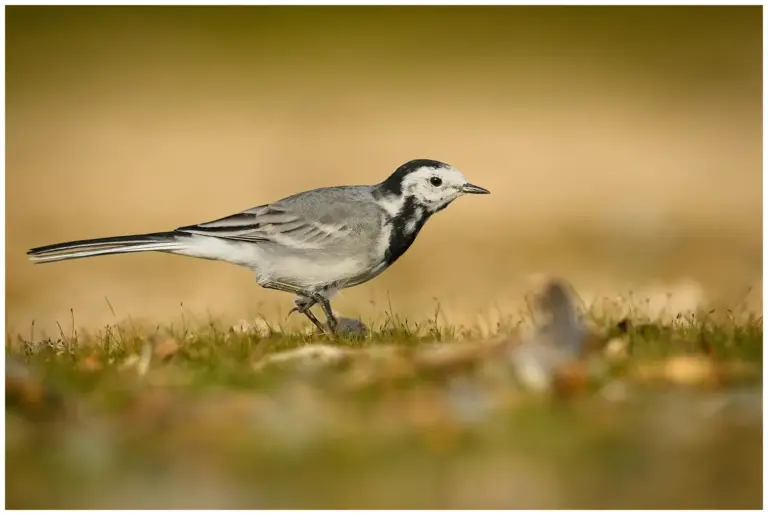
pixel 83 251
pixel 205 247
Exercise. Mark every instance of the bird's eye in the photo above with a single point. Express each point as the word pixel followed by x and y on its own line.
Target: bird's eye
pixel 435 181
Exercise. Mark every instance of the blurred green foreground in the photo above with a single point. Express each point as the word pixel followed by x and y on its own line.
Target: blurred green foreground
pixel 665 415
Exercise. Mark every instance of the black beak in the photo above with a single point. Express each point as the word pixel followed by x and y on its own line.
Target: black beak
pixel 471 188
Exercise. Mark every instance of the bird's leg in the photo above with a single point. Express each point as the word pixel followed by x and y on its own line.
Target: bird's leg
pixel 326 305
pixel 303 305
pixel 311 301
pixel 312 318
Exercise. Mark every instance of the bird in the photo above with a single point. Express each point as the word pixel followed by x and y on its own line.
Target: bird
pixel 311 244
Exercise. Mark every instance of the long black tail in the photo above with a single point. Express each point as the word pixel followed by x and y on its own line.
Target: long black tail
pixel 159 241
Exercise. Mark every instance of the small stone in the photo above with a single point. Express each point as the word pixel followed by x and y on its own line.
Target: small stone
pixel 351 327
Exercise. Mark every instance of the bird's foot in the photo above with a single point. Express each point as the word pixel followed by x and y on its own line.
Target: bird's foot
pixel 303 306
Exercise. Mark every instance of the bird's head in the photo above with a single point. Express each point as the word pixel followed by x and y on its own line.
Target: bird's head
pixel 431 184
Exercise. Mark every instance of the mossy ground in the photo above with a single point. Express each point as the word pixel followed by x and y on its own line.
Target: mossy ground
pixel 186 417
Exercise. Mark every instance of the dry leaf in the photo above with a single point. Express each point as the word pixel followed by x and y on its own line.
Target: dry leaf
pixel 682 369
pixel 451 356
pixel 25 390
pixel 166 348
pixel 690 370
pixel 91 363
pixel 593 343
pixel 616 350
pixel 570 379
pixel 316 354
pixel 146 358
pixel 129 362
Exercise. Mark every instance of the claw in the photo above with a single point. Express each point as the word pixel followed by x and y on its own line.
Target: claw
pixel 298 308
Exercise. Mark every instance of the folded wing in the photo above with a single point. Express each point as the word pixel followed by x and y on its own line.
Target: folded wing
pixel 270 223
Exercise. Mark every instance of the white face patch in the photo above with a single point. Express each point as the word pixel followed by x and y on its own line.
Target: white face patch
pixel 434 188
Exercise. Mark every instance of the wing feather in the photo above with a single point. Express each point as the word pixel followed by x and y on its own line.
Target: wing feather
pixel 270 223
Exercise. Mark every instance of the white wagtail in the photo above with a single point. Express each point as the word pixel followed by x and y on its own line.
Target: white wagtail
pixel 310 244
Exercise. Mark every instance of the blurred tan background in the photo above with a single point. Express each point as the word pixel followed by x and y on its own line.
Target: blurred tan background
pixel 622 147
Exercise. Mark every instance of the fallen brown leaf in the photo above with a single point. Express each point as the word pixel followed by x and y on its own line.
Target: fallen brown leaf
pixel 129 363
pixel 91 363
pixel 683 369
pixel 26 391
pixel 570 379
pixel 690 370
pixel 616 350
pixel 166 348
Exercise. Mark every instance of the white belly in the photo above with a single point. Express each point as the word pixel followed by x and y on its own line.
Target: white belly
pixel 309 269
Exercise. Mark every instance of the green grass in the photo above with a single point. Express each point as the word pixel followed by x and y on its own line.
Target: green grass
pixel 205 427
